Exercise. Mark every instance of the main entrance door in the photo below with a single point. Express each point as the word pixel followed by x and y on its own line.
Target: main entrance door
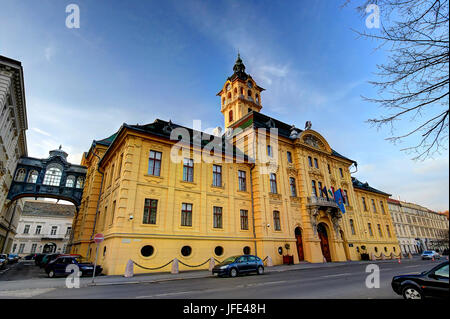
pixel 298 237
pixel 322 231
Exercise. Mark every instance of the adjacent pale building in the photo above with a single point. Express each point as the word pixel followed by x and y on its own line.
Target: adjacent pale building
pixel 418 228
pixel 44 227
pixel 13 124
pixel 268 191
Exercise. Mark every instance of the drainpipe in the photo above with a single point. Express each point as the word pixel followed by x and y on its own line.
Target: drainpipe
pixel 9 226
pixel 253 207
pixel 98 203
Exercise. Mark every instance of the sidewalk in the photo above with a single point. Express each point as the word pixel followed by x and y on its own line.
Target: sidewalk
pixel 47 283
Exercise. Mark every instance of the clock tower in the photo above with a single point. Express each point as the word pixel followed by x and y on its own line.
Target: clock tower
pixel 239 95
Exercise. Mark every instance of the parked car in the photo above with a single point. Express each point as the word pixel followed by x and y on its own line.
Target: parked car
pixel 3 260
pixel 429 254
pixel 29 257
pixel 236 265
pixel 38 258
pixel 58 266
pixel 13 258
pixel 432 283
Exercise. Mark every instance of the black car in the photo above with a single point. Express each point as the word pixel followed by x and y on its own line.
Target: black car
pixel 431 283
pixel 58 266
pixel 236 265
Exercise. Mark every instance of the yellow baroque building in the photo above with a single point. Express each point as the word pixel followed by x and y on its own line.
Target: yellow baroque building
pixel 162 191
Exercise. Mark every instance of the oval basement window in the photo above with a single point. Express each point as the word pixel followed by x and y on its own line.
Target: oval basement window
pixel 218 250
pixel 147 251
pixel 280 250
pixel 186 251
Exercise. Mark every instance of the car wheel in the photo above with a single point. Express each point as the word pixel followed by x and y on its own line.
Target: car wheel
pixel 51 274
pixel 411 292
pixel 260 270
pixel 233 272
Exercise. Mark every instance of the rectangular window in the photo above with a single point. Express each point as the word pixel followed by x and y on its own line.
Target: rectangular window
pixel 38 229
pixel 33 248
pixel 119 168
pixel 53 231
pixel 374 207
pixel 244 219
pixel 242 181
pixel 188 170
pixel 352 227
pixel 341 172
pixel 217 211
pixel 289 157
pixel 329 169
pixel 154 163
pixel 14 248
pixel 316 163
pixel 276 220
pixel 69 229
pixel 269 151
pixel 293 187
pixel 186 214
pixel 314 189
pixel 370 229
pixel 111 177
pixel 21 248
pixel 150 209
pixel 310 161
pixel 26 230
pixel 382 208
pixel 273 183
pixel 388 231
pixel 217 175
pixel 346 201
pixel 379 230
pixel 364 204
pixel 320 189
pixel 113 212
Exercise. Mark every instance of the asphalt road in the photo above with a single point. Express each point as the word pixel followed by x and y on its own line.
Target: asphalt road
pixel 24 269
pixel 336 282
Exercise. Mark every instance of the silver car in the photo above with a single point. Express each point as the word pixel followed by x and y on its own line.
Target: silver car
pixel 430 254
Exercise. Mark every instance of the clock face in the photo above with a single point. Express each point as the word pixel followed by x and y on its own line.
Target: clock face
pixel 228 87
pixel 249 84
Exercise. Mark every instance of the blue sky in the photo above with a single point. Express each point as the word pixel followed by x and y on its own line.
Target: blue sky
pixel 136 61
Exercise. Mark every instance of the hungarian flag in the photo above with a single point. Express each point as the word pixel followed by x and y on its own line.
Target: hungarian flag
pixel 331 192
pixel 344 198
pixel 339 199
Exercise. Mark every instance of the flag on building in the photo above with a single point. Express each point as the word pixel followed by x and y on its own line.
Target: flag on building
pixel 339 200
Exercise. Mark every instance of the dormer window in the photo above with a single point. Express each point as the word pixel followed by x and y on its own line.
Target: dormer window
pixel 250 84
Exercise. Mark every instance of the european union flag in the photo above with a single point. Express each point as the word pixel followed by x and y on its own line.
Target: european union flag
pixel 339 200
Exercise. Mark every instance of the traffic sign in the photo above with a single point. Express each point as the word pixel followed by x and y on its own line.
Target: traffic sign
pixel 98 238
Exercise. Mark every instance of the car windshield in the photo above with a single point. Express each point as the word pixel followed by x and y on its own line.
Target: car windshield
pixel 427 252
pixel 229 260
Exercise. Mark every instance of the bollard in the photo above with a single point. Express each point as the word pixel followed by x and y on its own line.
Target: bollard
pixel 129 269
pixel 211 264
pixel 269 261
pixel 175 267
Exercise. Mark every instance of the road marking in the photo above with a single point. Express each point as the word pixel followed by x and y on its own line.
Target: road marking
pixel 336 275
pixel 166 294
pixel 265 283
pixel 25 293
pixel 386 268
pixel 413 266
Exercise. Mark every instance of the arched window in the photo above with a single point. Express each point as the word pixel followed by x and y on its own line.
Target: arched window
pixel 53 175
pixel 229 95
pixel 249 93
pixel 80 182
pixel 230 116
pixel 32 177
pixel 223 101
pixel 235 90
pixel 20 175
pixel 70 182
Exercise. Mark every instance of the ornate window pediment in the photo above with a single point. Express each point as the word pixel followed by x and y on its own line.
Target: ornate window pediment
pixel 313 141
